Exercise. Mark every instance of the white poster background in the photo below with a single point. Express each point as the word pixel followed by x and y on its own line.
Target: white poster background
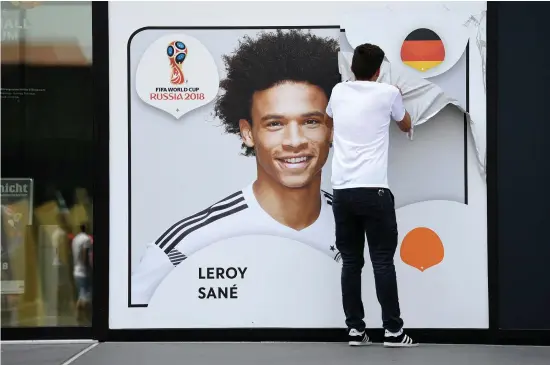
pixel 288 284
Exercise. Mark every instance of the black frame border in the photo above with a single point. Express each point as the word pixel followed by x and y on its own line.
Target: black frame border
pixel 100 69
pixel 491 165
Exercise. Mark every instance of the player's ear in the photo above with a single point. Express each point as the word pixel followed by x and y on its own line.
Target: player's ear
pixel 246 133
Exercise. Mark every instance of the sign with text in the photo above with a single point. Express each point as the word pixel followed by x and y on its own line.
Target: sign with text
pixel 17 208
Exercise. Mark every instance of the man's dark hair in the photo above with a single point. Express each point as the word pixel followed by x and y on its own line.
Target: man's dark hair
pixel 83 228
pixel 271 59
pixel 367 59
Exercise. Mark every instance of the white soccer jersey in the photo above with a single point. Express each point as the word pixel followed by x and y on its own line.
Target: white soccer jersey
pixel 235 216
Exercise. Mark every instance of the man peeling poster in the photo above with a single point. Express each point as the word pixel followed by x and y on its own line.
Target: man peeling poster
pixel 220 238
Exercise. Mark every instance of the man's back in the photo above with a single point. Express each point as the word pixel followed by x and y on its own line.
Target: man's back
pixel 362 111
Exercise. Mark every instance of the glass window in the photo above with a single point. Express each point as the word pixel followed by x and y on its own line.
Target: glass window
pixel 46 185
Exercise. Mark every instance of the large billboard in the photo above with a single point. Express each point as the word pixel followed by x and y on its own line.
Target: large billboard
pixel 210 230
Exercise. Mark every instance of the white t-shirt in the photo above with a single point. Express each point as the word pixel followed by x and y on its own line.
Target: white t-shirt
pixel 361 111
pixel 80 242
pixel 235 216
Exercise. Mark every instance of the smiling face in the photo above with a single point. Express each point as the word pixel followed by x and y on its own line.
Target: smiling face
pixel 289 133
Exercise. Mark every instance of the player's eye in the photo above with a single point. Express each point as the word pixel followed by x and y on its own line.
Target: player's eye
pixel 274 124
pixel 312 122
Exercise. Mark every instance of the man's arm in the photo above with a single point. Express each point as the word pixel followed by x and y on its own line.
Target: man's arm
pixel 400 114
pixel 86 251
pixel 405 123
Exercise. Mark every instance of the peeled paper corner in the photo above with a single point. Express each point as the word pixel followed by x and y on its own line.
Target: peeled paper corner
pixel 422 98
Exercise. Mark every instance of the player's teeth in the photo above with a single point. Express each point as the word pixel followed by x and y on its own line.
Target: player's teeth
pixel 296 159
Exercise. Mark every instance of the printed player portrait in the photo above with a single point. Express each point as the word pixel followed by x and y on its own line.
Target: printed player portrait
pixel 274 99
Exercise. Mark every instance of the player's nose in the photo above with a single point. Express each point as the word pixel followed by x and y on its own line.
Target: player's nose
pixel 294 137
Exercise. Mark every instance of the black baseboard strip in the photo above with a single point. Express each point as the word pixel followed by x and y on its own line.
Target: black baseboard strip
pixel 437 336
pixel 46 333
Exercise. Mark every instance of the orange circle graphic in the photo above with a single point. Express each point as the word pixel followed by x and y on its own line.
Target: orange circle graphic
pixel 422 248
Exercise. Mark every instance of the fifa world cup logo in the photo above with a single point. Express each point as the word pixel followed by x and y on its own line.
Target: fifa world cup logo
pixel 177 52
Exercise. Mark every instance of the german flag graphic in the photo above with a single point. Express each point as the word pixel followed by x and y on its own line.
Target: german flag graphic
pixel 422 50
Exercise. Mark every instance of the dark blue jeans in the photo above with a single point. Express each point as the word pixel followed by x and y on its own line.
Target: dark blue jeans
pixel 372 211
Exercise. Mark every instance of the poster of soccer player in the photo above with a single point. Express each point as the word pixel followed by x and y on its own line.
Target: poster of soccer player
pixel 229 221
pixel 267 89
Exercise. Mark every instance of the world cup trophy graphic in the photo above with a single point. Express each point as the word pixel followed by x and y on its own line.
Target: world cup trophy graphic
pixel 177 52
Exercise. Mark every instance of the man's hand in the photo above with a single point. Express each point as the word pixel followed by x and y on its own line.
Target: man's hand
pixel 405 124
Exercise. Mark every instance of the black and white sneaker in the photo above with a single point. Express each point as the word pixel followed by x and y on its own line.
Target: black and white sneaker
pixel 399 339
pixel 356 338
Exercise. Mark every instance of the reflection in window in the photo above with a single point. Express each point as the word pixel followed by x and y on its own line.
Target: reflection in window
pixel 47 191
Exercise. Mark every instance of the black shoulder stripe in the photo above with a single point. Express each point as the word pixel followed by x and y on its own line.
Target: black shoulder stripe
pixel 176 257
pixel 204 223
pixel 207 213
pixel 328 195
pixel 229 197
pixel 202 212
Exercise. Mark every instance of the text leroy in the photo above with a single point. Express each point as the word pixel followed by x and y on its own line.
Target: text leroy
pixel 220 273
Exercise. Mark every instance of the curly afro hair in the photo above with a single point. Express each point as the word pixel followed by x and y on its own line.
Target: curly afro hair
pixel 271 59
